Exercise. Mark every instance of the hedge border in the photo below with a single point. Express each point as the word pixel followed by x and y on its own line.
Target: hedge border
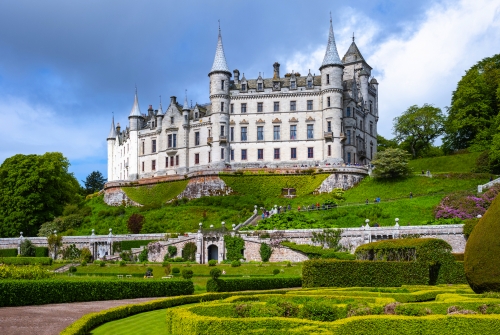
pixel 26 260
pixel 8 253
pixel 245 284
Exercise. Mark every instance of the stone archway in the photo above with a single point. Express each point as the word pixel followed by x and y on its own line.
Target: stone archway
pixel 213 252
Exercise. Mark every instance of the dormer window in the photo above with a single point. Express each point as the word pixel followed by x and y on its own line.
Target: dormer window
pixel 293 85
pixel 259 86
pixel 309 83
pixel 243 87
pixel 195 115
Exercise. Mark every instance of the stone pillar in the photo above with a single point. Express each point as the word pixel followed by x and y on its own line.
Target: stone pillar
pixel 21 238
pixel 110 242
pixel 199 245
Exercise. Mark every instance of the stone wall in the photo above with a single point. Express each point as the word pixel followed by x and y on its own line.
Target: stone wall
pixel 252 253
pixel 205 186
pixel 339 180
pixel 178 242
pixel 114 196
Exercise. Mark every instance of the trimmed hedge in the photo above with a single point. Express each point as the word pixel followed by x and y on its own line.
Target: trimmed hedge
pixel 26 292
pixel 128 245
pixel 8 253
pixel 89 321
pixel 26 260
pixel 246 284
pixel 328 273
pixel 41 252
pixel 317 252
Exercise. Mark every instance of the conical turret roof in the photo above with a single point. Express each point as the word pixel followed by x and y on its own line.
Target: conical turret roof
pixel 353 51
pixel 331 54
pixel 220 59
pixel 135 108
pixel 112 132
pixel 186 106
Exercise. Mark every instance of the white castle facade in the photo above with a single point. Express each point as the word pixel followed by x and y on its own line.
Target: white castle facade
pixel 285 121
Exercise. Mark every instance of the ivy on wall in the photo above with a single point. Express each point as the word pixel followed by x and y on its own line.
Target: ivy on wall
pixel 234 247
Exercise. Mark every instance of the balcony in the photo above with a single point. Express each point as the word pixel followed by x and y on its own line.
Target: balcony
pixel 342 137
pixel 223 139
pixel 361 153
pixel 210 140
pixel 329 134
pixel 171 149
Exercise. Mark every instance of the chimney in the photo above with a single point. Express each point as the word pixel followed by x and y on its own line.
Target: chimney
pixel 173 100
pixel 236 76
pixel 118 127
pixel 276 67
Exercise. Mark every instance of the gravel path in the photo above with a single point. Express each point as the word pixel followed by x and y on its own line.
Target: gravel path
pixel 53 318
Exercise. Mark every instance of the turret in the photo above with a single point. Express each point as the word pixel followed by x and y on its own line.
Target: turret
pixel 363 79
pixel 332 91
pixel 135 124
pixel 111 149
pixel 219 97
pixel 159 117
pixel 135 115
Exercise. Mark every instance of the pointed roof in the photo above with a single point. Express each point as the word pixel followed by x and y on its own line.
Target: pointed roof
pixel 220 59
pixel 353 51
pixel 186 106
pixel 331 54
pixel 112 132
pixel 160 109
pixel 135 108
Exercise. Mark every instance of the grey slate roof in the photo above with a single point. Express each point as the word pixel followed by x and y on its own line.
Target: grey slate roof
pixel 331 54
pixel 285 82
pixel 135 108
pixel 220 59
pixel 186 106
pixel 112 131
pixel 353 50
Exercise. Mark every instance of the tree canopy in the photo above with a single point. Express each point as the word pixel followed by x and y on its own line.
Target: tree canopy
pixel 34 189
pixel 391 163
pixel 473 118
pixel 419 127
pixel 94 182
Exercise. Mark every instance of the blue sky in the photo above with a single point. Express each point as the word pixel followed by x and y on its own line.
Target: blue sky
pixel 66 66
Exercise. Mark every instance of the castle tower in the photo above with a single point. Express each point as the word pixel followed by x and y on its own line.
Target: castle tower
pixel 219 97
pixel 135 124
pixel 111 149
pixel 332 71
pixel 185 125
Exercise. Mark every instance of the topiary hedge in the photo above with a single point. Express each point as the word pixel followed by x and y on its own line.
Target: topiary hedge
pixel 8 253
pixel 38 292
pixel 26 260
pixel 245 284
pixel 482 252
pixel 41 252
pixel 318 252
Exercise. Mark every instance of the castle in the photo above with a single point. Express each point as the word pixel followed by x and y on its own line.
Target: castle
pixel 293 120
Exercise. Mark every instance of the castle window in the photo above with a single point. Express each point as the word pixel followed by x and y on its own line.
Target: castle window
pixel 166 162
pixel 185 117
pixel 329 150
pixel 174 140
pixel 309 84
pixel 260 107
pixel 169 142
pixel 276 133
pixel 197 138
pixel 222 84
pixel 276 106
pixel 221 153
pixel 209 156
pixel 244 108
pixel 309 105
pixel 197 158
pixel 232 154
pixel 222 130
pixel 260 133
pixel 260 154
pixel 243 87
pixel 348 137
pixel 153 165
pixel 293 105
pixel 171 161
pixel 293 153
pixel 143 148
pixel 243 134
pixel 259 86
pixel 310 152
pixel 171 119
pixel 349 157
pixel 243 154
pixel 222 106
pixel 231 138
pixel 371 107
pixel 293 132
pixel 371 150
pixel 293 85
pixel 371 128
pixel 195 115
pixel 142 166
pixel 153 146
pixel 327 79
pixel 329 126
pixel 360 124
pixel 232 108
pixel 328 102
pixel 310 131
pixel 276 153
pixel 348 113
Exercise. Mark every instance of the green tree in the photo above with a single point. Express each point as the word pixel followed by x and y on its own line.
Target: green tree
pixel 391 163
pixel 384 143
pixel 94 182
pixel 419 127
pixel 473 116
pixel 34 189
pixel 27 249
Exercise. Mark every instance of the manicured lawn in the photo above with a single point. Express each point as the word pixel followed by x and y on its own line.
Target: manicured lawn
pixel 453 163
pixel 144 323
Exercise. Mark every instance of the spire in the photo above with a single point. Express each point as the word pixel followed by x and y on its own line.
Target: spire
pixel 160 108
pixel 331 54
pixel 135 108
pixel 353 51
pixel 220 59
pixel 186 106
pixel 112 131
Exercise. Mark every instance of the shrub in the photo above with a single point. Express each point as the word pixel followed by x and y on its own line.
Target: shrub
pixel 85 255
pixel 23 272
pixel 8 253
pixel 265 252
pixel 235 264
pixel 26 260
pixel 71 252
pixel 276 271
pixel 27 292
pixel 102 264
pixel 167 269
pixel 212 262
pixel 143 255
pixel 122 263
pixel 41 252
pixel 135 222
pixel 72 269
pixel 243 284
pixel 83 263
pixel 234 247
pixel 482 252
pixel 215 273
pixel 189 252
pixel 27 249
pixel 176 270
pixel 322 311
pixel 172 251
pixel 391 163
pixel 469 226
pixel 187 274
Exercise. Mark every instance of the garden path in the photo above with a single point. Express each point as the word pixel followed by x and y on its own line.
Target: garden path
pixel 52 318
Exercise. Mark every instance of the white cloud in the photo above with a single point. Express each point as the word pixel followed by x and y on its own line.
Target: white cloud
pixel 424 61
pixel 36 129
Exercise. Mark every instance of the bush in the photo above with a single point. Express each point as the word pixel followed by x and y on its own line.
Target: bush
pixel 143 255
pixel 41 252
pixel 83 263
pixel 172 251
pixel 72 269
pixel 482 252
pixel 8 253
pixel 276 271
pixel 167 269
pixel 391 163
pixel 244 284
pixel 317 252
pixel 122 263
pixel 102 264
pixel 71 252
pixel 26 292
pixel 234 247
pixel 176 270
pixel 469 226
pixel 322 311
pixel 187 274
pixel 265 252
pixel 26 260
pixel 135 222
pixel 27 249
pixel 86 255
pixel 212 262
pixel 215 273
pixel 23 272
pixel 235 264
pixel 189 252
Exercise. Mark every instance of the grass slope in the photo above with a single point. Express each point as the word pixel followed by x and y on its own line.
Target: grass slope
pixel 453 163
pixel 155 195
pixel 154 322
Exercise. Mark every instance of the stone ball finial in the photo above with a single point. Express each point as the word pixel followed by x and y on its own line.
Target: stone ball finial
pixel 93 232
pixel 200 224
pixel 367 221
pixel 110 230
pixel 223 223
pixel 21 234
pixel 234 225
pixel 211 226
pixel 478 216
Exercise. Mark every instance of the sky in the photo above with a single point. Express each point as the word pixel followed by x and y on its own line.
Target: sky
pixel 66 67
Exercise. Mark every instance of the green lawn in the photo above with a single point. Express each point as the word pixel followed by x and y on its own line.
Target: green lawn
pixel 144 323
pixel 453 163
